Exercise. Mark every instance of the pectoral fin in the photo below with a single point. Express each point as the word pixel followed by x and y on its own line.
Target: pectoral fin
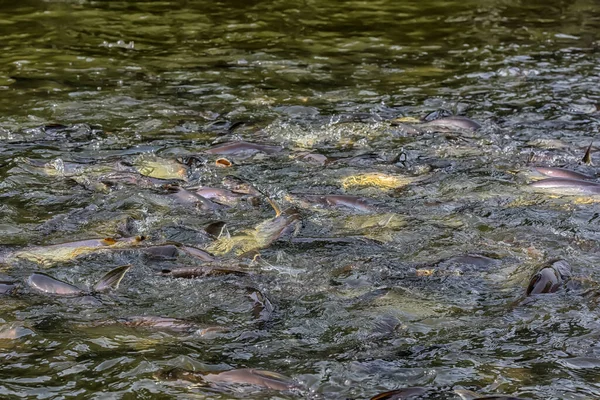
pixel 112 279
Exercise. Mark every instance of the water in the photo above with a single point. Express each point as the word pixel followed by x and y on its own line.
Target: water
pixel 90 88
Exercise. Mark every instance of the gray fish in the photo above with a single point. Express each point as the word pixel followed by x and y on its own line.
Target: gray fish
pixel 454 122
pixel 238 185
pixel 568 186
pixel 336 200
pixel 6 287
pixel 562 173
pixel 237 148
pixel 400 394
pixel 197 253
pixel 146 321
pixel 250 376
pixel 185 197
pixel 550 278
pixel 221 196
pixel 470 395
pixel 161 252
pixel 49 285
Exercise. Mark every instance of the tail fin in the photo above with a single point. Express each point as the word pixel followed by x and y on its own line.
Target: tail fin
pixel 112 279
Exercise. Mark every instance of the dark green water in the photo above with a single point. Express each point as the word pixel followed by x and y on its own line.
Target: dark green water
pixel 91 87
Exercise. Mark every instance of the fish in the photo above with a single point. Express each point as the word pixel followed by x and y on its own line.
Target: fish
pixel 470 395
pixel 243 148
pixel 221 196
pixel 549 278
pixel 197 253
pixel 161 252
pixel 247 376
pixel 238 185
pixel 567 186
pixel 337 200
pixel 400 394
pixel 261 236
pixel 7 287
pixel 454 122
pixel 55 253
pixel 562 173
pixel 198 272
pixel 156 322
pixel 250 376
pixel 186 197
pixel 49 285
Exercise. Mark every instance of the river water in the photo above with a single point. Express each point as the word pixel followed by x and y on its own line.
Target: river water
pixel 425 286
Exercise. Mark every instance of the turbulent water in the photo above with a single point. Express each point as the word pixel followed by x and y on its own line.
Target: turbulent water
pixel 111 114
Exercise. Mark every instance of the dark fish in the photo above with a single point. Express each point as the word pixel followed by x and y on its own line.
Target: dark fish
pixel 49 285
pixel 237 148
pixel 454 122
pixel 587 157
pixel 550 278
pixel 400 394
pixel 137 179
pixel 562 173
pixel 161 252
pixel 564 185
pixel 198 272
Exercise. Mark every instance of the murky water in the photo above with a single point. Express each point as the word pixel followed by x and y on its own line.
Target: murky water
pixel 109 114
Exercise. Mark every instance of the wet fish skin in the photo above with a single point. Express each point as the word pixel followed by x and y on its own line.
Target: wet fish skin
pixel 268 379
pixel 145 321
pixel 7 287
pixel 454 122
pixel 197 253
pixel 470 395
pixel 577 185
pixel 238 185
pixel 67 251
pixel 400 394
pixel 198 272
pixel 335 200
pixel 556 172
pixel 549 278
pixel 236 148
pixel 49 285
pixel 185 196
pixel 161 252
